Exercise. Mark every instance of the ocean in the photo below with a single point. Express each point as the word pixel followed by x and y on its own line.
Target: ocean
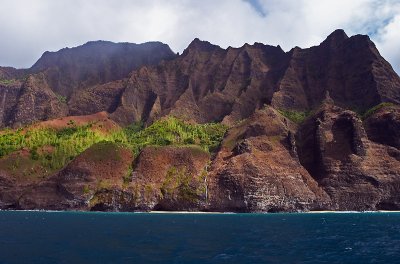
pixel 86 237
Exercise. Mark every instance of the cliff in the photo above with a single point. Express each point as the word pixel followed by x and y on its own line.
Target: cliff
pixel 71 74
pixel 210 84
pixel 126 127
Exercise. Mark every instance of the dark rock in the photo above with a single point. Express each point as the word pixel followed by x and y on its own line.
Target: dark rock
pixel 170 178
pixel 76 77
pixel 259 173
pixel 204 84
pixel 8 99
pixel 210 84
pixel 104 97
pixel 36 102
pixel 351 69
pixel 356 173
pixel 102 166
pixel 97 62
pixel 383 126
pixel 266 163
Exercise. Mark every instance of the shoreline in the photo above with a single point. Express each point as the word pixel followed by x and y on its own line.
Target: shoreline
pixel 350 212
pixel 201 212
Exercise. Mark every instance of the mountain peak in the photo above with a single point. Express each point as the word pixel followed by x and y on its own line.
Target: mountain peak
pixel 98 42
pixel 200 45
pixel 338 34
pixel 336 37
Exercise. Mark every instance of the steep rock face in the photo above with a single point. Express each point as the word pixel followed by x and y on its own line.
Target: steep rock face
pixel 101 178
pixel 207 83
pixel 101 167
pixel 350 69
pixel 18 172
pixel 8 73
pixel 82 77
pixel 257 169
pixel 170 178
pixel 97 62
pixel 356 173
pixel 383 126
pixel 103 97
pixel 210 84
pixel 9 192
pixel 10 86
pixel 265 163
pixel 8 99
pixel 37 101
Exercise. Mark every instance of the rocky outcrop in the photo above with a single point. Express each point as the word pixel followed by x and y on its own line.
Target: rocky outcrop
pixel 103 97
pixel 356 173
pixel 101 167
pixel 10 73
pixel 86 79
pixel 205 84
pixel 97 62
pixel 332 160
pixel 170 178
pixel 265 163
pixel 9 192
pixel 383 126
pixel 350 69
pixel 11 80
pixel 163 178
pixel 8 99
pixel 257 169
pixel 210 84
pixel 36 102
pixel 101 178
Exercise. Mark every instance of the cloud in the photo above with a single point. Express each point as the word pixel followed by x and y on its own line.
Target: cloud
pixel 388 42
pixel 30 27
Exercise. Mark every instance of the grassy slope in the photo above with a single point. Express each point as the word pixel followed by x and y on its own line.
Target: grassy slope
pixel 47 150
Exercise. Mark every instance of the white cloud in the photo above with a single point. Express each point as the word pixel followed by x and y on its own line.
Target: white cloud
pixel 29 27
pixel 388 42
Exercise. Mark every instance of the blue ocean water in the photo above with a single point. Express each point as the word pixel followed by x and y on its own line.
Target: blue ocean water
pixel 74 237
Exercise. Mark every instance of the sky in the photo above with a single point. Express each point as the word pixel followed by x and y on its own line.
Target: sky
pixel 30 27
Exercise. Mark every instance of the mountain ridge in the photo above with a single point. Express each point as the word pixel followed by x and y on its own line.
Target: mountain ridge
pixel 69 70
pixel 294 80
pixel 247 129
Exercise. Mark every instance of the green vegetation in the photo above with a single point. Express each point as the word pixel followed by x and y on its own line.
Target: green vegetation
pixel 372 110
pixel 61 99
pixel 53 149
pixel 104 151
pixel 295 116
pixel 180 184
pixel 172 131
pixel 7 81
pixel 86 189
pixel 128 176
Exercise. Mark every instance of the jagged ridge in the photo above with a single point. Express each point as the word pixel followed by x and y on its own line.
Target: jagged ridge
pixel 332 160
